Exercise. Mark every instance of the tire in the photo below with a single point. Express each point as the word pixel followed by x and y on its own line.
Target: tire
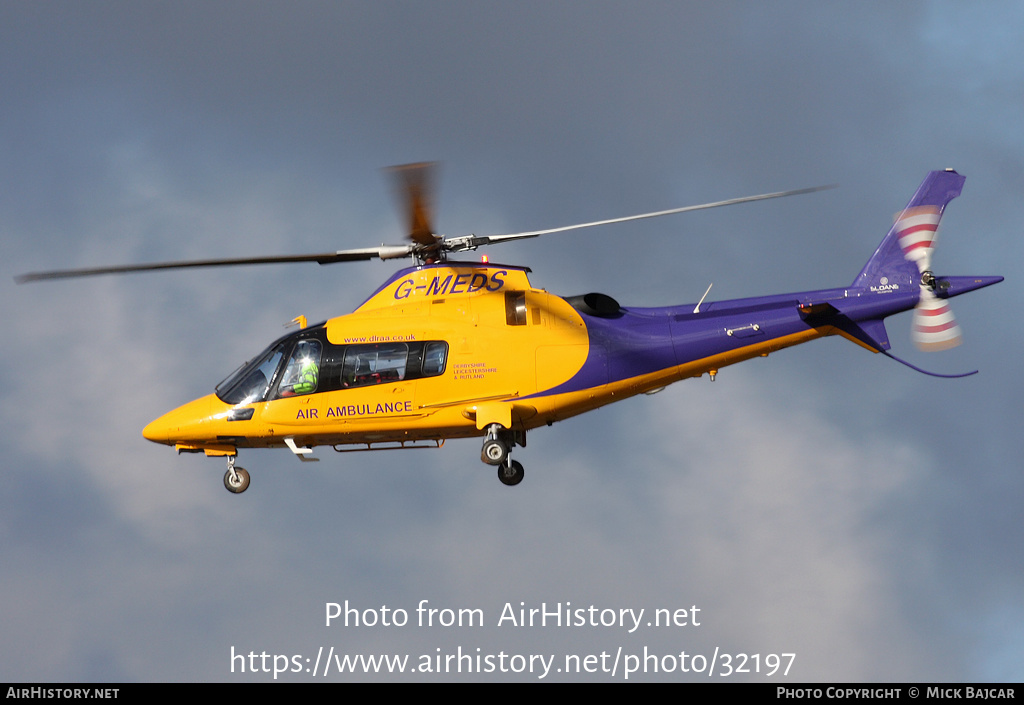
pixel 511 474
pixel 494 452
pixel 241 485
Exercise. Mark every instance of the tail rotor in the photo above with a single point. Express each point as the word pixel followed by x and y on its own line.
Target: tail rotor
pixel 934 327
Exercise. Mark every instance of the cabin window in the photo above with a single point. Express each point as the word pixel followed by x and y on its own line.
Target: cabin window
pixel 374 364
pixel 434 357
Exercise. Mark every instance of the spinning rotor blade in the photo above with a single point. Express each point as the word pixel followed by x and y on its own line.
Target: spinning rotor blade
pixel 414 184
pixel 472 242
pixel 383 252
pixel 934 327
pixel 918 229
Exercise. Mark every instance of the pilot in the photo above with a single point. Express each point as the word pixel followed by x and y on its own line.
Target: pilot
pixel 303 372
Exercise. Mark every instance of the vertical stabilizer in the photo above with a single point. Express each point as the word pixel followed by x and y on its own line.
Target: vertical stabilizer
pixel 905 253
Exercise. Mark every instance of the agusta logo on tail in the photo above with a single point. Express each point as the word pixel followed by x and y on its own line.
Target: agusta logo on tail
pixel 455 349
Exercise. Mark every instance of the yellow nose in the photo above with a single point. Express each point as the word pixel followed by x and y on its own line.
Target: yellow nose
pixel 194 422
pixel 157 431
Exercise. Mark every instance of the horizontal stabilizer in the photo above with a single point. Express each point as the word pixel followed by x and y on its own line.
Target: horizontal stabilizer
pixel 870 333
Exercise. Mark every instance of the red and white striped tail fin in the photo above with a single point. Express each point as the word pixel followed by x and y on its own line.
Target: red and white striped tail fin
pixel 934 327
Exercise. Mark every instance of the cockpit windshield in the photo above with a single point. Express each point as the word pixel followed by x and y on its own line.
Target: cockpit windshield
pixel 254 380
pixel 250 382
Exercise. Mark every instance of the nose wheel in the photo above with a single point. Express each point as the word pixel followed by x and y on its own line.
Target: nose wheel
pixel 236 480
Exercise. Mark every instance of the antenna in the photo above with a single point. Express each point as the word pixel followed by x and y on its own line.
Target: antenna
pixel 696 309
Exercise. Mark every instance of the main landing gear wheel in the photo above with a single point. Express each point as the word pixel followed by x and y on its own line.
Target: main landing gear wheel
pixel 494 452
pixel 497 444
pixel 511 473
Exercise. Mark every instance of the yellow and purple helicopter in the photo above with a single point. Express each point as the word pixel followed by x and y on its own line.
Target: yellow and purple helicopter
pixel 455 349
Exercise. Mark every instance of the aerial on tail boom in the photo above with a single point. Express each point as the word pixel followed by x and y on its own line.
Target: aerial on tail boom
pixel 448 349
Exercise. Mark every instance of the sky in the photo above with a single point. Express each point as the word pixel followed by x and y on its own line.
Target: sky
pixel 824 503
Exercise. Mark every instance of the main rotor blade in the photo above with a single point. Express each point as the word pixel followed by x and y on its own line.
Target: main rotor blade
pixel 490 239
pixel 414 184
pixel 367 253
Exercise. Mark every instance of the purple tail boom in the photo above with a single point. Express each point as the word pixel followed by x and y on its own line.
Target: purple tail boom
pixel 644 348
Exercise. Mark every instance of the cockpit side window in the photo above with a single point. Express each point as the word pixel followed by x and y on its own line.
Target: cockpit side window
pixel 302 374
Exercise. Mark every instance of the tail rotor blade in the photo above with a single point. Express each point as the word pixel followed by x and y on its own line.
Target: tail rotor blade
pixel 917 227
pixel 934 327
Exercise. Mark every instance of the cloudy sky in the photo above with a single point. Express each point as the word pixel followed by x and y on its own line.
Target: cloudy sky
pixel 824 502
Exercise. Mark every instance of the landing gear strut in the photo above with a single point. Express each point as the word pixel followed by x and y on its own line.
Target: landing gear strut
pixel 236 480
pixel 498 444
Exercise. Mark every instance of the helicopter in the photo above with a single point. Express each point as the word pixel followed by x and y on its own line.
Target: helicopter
pixel 457 349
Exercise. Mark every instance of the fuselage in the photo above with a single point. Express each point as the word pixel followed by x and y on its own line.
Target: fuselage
pixel 446 350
